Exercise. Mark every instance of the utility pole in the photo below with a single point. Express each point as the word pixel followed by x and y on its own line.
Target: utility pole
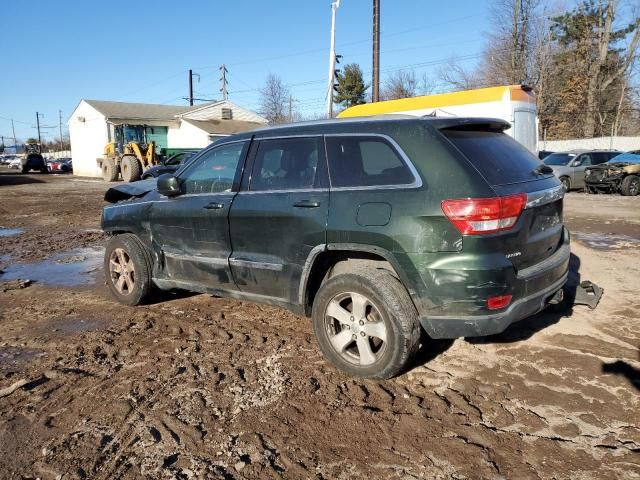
pixel 290 109
pixel 190 97
pixel 38 127
pixel 60 125
pixel 15 142
pixel 223 81
pixel 375 84
pixel 332 59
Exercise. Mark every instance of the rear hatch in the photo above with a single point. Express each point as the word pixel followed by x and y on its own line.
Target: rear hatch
pixel 510 169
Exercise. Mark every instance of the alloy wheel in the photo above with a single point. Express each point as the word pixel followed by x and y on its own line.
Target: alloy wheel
pixel 121 271
pixel 355 328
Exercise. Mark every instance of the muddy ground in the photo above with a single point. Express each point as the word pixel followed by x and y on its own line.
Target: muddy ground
pixel 193 386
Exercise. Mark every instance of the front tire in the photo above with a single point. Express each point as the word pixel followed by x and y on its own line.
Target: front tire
pixel 566 183
pixel 130 168
pixel 127 268
pixel 366 324
pixel 630 186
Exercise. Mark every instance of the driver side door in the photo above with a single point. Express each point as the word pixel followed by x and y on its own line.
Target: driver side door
pixel 191 230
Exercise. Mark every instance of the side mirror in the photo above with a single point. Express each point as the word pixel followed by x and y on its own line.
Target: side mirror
pixel 576 163
pixel 168 185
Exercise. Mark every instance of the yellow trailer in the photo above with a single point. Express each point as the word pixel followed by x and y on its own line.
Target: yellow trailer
pixel 514 103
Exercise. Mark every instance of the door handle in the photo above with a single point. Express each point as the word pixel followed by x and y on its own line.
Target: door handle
pixel 306 204
pixel 214 206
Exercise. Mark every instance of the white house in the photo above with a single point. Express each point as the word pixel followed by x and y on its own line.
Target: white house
pixel 91 126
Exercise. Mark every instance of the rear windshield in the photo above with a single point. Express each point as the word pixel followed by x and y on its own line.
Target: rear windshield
pixel 497 156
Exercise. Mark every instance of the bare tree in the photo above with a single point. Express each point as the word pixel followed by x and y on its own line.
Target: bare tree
pixel 509 54
pixel 456 76
pixel 400 84
pixel 274 101
pixel 599 78
pixel 405 84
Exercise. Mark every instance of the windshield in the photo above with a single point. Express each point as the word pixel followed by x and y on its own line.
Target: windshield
pixel 625 157
pixel 559 158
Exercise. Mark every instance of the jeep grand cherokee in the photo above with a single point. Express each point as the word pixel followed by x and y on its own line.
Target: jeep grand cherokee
pixel 376 228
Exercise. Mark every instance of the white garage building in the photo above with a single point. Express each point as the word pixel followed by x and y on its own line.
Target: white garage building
pixel 91 126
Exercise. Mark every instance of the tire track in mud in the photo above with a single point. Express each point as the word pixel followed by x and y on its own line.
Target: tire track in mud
pixel 200 387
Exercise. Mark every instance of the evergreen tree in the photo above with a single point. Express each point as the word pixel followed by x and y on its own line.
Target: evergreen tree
pixel 351 88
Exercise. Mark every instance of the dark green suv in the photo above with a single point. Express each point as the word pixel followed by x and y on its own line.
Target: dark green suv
pixel 377 228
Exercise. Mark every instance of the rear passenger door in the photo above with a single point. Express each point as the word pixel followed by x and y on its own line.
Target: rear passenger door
pixel 279 215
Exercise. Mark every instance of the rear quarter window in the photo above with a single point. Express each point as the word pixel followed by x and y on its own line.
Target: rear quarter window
pixel 498 157
pixel 363 161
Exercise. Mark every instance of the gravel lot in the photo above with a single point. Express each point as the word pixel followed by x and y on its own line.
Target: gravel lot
pixel 193 386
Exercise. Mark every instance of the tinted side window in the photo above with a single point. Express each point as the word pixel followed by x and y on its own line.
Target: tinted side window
pixel 364 162
pixel 599 157
pixel 214 171
pixel 285 164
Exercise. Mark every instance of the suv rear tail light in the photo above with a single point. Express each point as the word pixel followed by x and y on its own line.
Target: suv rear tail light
pixel 500 301
pixel 475 216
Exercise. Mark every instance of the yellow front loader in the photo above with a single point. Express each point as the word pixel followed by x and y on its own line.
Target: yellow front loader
pixel 135 159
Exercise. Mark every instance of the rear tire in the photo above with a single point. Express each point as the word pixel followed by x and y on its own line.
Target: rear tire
pixel 365 323
pixel 130 168
pixel 109 170
pixel 566 183
pixel 630 186
pixel 25 170
pixel 127 268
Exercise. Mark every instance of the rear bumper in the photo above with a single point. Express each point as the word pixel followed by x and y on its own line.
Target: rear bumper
pixel 540 283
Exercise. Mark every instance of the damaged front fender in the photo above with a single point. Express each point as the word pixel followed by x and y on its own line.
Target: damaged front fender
pixel 126 191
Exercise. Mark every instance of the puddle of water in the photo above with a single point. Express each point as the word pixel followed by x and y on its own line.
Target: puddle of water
pixel 12 359
pixel 76 325
pixel 10 232
pixel 68 269
pixel 606 241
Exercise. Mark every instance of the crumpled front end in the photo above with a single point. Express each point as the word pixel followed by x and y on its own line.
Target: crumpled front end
pixel 607 178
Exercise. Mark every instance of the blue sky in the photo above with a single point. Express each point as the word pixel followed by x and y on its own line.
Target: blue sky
pixel 140 51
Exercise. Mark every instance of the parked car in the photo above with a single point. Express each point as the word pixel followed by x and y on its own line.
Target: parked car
pixel 542 154
pixel 15 163
pixel 34 161
pixel 569 166
pixel 620 174
pixel 60 165
pixel 376 228
pixel 169 165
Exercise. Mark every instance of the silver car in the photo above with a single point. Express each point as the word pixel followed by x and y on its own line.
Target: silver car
pixel 569 166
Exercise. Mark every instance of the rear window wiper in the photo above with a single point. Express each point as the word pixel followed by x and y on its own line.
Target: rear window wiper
pixel 542 170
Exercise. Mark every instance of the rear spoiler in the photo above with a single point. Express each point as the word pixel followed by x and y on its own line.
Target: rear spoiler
pixel 482 124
